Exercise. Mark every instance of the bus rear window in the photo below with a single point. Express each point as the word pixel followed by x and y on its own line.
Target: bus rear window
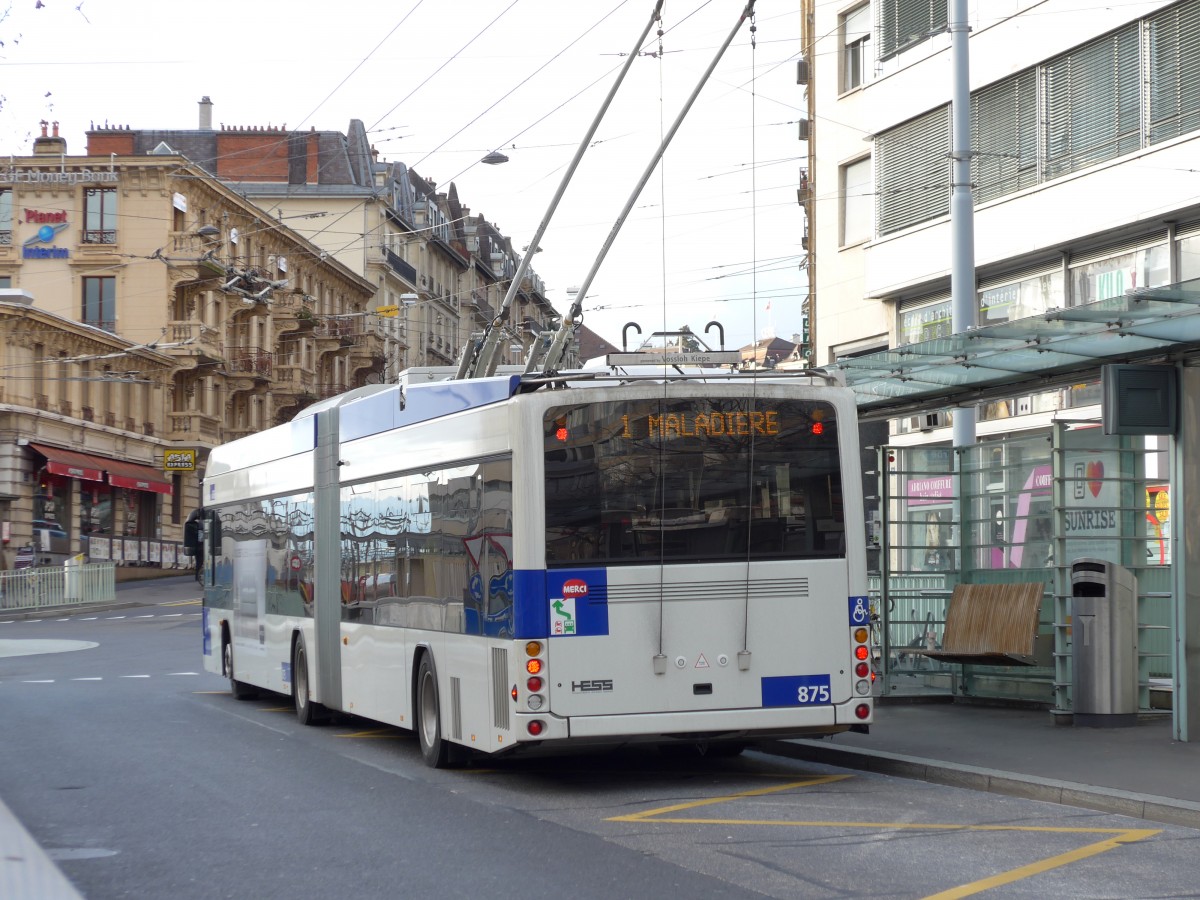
pixel 685 480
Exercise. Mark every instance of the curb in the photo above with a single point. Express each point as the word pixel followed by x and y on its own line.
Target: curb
pixel 1029 787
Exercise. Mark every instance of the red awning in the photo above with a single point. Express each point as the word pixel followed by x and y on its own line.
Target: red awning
pixel 71 463
pixel 139 478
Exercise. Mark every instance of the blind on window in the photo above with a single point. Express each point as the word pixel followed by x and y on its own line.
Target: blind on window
pixel 1004 134
pixel 856 202
pixel 1174 46
pixel 856 25
pixel 1093 103
pixel 903 23
pixel 912 172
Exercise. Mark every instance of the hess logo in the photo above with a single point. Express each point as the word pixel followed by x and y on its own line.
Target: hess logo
pixel 575 588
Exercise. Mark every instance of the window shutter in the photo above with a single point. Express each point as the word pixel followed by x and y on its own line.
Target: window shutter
pixel 1004 134
pixel 912 172
pixel 1093 103
pixel 1174 42
pixel 903 23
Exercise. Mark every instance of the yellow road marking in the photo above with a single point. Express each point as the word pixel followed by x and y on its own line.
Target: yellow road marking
pixel 276 709
pixel 1045 865
pixel 195 602
pixel 378 733
pixel 808 782
pixel 1118 836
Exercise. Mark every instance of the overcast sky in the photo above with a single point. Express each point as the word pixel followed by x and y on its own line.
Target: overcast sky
pixel 440 83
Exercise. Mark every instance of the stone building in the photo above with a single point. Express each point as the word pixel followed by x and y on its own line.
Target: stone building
pixel 440 271
pixel 148 309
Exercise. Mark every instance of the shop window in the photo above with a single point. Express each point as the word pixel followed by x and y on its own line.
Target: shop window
pixel 1021 299
pixel 1112 277
pixel 1189 258
pixel 96 510
pixel 925 323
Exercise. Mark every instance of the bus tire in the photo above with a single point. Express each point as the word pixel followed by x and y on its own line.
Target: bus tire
pixel 308 712
pixel 239 689
pixel 434 749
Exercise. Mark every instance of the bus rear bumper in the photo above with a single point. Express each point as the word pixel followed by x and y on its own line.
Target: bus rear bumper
pixel 750 724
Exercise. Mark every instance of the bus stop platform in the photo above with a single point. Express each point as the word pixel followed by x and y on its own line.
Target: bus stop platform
pixel 1136 771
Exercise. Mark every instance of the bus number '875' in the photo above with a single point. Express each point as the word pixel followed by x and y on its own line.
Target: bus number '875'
pixel 812 693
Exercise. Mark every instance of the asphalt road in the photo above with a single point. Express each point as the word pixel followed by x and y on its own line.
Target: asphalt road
pixel 144 778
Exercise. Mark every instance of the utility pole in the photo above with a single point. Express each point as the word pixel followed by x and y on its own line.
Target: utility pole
pixel 963 303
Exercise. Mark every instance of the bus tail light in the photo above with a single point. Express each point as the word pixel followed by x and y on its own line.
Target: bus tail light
pixel 863 711
pixel 535 666
pixel 536 727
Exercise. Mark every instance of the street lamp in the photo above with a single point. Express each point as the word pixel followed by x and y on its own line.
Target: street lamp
pixel 494 158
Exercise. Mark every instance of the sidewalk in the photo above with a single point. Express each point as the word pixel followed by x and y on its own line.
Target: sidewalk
pixel 1137 771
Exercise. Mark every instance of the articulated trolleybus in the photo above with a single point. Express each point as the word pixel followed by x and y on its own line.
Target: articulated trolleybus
pixel 513 561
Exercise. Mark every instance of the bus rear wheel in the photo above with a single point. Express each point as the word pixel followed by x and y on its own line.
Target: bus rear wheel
pixel 307 711
pixel 239 689
pixel 434 749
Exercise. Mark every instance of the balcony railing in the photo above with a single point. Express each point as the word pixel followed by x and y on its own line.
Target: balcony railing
pixel 400 267
pixel 190 426
pixel 201 339
pixel 250 361
pixel 100 236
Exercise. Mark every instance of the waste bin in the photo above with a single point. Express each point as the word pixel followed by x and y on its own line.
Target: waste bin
pixel 1104 652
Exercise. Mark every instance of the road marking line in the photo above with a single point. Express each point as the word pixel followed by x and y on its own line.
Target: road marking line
pixel 171 615
pixel 1129 836
pixel 133 676
pixel 109 618
pixel 89 619
pixel 183 673
pixel 654 813
pixel 39 681
pixel 276 709
pixel 377 733
pixel 1118 836
pixel 93 678
pixel 67 619
pixel 145 616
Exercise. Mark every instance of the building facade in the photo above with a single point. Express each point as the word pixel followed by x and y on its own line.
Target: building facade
pixel 1083 121
pixel 150 309
pixel 441 273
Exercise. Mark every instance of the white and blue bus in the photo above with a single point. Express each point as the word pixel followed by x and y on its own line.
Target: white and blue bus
pixel 516 561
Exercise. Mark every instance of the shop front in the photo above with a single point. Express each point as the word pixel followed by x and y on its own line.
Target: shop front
pixel 106 509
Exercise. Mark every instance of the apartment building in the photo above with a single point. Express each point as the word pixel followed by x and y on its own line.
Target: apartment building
pixel 150 312
pixel 1085 121
pixel 441 272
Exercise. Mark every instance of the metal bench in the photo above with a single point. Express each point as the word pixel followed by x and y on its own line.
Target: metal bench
pixel 994 625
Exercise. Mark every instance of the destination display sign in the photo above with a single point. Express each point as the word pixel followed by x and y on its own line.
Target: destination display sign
pixel 702 424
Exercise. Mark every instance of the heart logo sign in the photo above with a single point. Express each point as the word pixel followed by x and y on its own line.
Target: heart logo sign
pixel 1095 475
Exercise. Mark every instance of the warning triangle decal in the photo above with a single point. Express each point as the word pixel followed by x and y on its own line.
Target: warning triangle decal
pixel 702 663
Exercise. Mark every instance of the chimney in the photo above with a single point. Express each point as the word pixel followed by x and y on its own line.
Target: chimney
pixel 49 145
pixel 205 114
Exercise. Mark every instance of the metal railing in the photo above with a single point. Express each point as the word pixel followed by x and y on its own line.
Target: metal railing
pixel 57 586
